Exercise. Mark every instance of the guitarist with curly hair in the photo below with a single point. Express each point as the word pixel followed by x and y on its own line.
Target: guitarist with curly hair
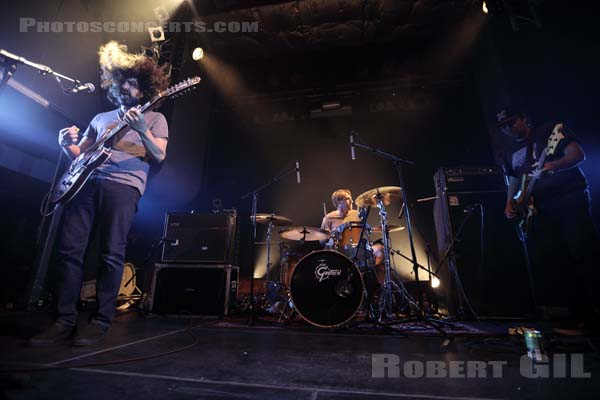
pixel 548 196
pixel 109 199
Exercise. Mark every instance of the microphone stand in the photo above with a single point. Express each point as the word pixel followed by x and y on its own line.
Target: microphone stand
pixel 12 60
pixel 46 231
pixel 398 163
pixel 254 194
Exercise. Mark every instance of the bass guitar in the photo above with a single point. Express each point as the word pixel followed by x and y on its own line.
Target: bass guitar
pixel 523 201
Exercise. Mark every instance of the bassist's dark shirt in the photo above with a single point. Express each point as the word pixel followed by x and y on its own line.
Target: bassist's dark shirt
pixel 522 154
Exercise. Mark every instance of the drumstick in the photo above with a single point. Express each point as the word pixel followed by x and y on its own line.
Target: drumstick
pixel 326 217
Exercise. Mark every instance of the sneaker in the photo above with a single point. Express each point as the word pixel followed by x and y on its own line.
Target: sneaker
pixel 89 334
pixel 56 333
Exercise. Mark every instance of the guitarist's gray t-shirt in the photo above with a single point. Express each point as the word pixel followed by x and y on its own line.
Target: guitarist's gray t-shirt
pixel 129 162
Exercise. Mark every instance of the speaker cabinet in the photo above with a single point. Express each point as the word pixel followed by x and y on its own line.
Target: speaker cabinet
pixel 487 253
pixel 191 289
pixel 199 238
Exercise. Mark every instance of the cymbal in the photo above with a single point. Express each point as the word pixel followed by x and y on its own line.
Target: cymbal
pixel 391 228
pixel 305 233
pixel 388 194
pixel 277 220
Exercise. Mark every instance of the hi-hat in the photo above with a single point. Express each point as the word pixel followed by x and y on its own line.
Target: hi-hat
pixel 388 194
pixel 390 228
pixel 305 233
pixel 277 220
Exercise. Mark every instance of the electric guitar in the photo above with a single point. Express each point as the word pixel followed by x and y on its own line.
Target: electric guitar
pixel 73 179
pixel 523 201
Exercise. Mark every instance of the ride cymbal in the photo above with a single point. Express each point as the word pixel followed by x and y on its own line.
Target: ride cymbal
pixel 388 194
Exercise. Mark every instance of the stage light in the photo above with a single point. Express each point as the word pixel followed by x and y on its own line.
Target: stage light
pixel 484 8
pixel 157 34
pixel 435 282
pixel 197 54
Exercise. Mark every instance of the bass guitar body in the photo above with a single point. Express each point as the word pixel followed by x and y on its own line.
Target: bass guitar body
pixel 524 205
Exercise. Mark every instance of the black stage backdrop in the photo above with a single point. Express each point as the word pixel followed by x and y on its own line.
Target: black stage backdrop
pixel 224 143
pixel 433 129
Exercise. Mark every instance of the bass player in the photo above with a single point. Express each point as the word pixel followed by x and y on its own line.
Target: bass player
pixel 560 200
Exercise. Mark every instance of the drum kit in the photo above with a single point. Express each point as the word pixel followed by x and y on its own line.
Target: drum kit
pixel 327 287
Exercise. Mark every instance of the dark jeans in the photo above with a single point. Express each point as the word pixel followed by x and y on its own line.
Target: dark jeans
pixel 108 208
pixel 564 246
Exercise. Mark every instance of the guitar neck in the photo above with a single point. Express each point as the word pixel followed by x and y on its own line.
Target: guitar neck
pixel 534 178
pixel 117 129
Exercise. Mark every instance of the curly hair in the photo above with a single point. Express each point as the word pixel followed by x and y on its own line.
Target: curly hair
pixel 117 65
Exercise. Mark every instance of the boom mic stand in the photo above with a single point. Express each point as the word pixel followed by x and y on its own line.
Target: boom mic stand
pixel 47 228
pixel 254 194
pixel 390 286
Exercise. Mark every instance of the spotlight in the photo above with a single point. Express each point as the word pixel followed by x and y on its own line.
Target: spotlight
pixel 435 282
pixel 157 34
pixel 484 8
pixel 197 54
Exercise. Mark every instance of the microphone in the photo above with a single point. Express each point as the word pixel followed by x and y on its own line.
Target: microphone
pixel 298 171
pixel 85 88
pixel 352 153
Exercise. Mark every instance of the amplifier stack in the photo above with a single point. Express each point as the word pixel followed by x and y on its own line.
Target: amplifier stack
pixel 197 274
pixel 487 254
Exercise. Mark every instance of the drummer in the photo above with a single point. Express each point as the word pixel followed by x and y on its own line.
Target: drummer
pixel 344 212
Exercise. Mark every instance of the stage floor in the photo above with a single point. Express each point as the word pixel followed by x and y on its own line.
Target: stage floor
pixel 231 360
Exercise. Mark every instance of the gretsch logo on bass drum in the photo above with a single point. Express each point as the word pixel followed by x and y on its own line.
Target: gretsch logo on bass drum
pixel 323 271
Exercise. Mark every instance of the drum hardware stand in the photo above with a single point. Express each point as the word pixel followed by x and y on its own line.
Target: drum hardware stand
pixel 427 269
pixel 254 194
pixel 390 286
pixel 343 287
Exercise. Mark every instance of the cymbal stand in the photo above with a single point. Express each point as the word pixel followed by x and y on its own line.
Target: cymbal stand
pixel 388 292
pixel 254 194
pixel 386 301
pixel 272 288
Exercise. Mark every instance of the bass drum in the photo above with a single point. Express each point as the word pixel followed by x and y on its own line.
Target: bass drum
pixel 327 289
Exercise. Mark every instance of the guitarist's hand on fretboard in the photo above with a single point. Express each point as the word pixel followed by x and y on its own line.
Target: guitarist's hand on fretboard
pixel 547 169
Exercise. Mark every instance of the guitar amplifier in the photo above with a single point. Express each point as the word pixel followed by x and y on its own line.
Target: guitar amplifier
pixel 470 179
pixel 487 254
pixel 192 289
pixel 199 238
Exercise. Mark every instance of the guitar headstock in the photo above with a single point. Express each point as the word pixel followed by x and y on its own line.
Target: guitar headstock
pixel 554 139
pixel 179 89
